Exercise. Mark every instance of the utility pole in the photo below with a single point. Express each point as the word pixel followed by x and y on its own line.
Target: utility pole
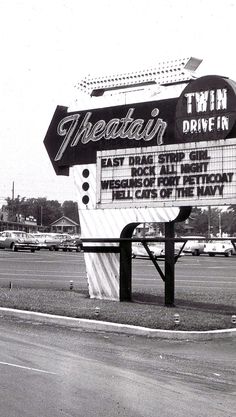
pixel 220 226
pixel 209 222
pixel 12 200
pixel 13 190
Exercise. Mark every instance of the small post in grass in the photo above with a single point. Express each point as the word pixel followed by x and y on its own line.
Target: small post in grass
pixel 10 286
pixel 233 319
pixel 176 318
pixel 71 285
pixel 97 311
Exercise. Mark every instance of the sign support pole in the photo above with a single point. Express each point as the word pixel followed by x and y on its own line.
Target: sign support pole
pixel 125 271
pixel 126 262
pixel 169 264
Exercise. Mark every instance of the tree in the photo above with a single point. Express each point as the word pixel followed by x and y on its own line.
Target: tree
pixel 228 220
pixel 199 221
pixel 196 224
pixel 48 211
pixel 202 221
pixel 45 211
pixel 70 209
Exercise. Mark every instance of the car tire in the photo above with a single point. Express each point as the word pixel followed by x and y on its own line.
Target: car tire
pixel 227 254
pixel 196 252
pixel 14 248
pixel 32 250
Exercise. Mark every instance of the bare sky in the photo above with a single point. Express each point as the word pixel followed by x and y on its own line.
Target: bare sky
pixel 48 45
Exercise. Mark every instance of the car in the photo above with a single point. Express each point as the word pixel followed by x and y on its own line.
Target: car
pixel 17 240
pixel 157 249
pixel 138 250
pixel 195 246
pixel 70 243
pixel 177 249
pixel 75 244
pixel 48 241
pixel 220 247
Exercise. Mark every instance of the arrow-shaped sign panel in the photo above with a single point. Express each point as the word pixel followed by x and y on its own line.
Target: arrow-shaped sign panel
pixel 74 138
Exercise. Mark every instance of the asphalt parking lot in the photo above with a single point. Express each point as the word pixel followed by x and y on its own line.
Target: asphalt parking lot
pixel 46 269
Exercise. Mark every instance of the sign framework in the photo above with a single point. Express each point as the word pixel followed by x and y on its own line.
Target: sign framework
pixel 146 162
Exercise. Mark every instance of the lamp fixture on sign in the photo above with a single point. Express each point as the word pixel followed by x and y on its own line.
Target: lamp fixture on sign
pixel 165 73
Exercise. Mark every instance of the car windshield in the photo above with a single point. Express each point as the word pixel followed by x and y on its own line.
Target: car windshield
pixel 19 234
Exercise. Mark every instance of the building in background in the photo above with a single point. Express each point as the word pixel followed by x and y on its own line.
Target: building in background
pixel 19 222
pixel 65 225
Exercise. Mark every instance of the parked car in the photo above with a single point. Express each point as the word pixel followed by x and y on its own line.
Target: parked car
pixel 195 246
pixel 177 248
pixel 47 241
pixel 157 249
pixel 220 247
pixel 16 240
pixel 138 250
pixel 70 243
pixel 76 244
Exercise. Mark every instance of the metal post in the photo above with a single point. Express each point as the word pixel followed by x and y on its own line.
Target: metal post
pixel 126 262
pixel 169 265
pixel 125 271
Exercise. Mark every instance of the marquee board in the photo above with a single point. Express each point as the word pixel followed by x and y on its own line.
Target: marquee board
pixel 188 175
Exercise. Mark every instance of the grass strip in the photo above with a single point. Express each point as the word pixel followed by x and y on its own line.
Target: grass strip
pixel 198 310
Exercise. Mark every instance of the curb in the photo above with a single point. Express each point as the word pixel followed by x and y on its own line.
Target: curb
pixel 95 325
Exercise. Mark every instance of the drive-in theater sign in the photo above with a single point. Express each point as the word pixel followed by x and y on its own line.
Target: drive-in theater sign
pixel 145 162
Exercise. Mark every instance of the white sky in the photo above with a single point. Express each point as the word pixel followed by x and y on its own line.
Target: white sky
pixel 46 46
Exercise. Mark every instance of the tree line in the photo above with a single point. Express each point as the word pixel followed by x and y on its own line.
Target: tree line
pixel 43 210
pixel 209 221
pixel 202 221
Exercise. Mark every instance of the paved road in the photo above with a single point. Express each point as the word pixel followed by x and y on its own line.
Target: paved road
pixel 56 269
pixel 47 371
